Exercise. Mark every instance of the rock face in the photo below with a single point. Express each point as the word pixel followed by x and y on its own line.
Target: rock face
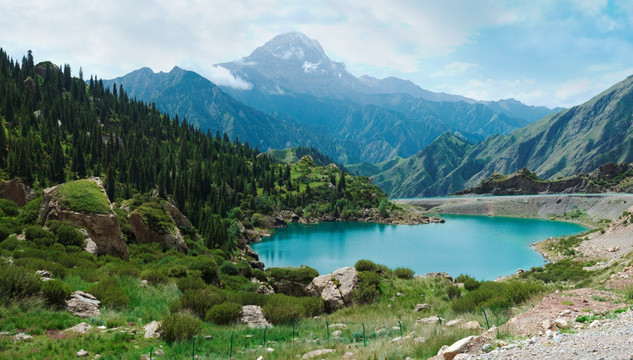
pixel 171 239
pixel 83 305
pixel 335 288
pixel 253 316
pixel 16 191
pixel 103 229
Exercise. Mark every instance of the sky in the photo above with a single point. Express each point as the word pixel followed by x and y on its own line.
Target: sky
pixel 541 52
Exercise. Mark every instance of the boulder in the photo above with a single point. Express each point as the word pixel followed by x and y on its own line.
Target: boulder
pixel 429 320
pixel 253 317
pixel 290 288
pixel 441 275
pixel 103 229
pixel 335 288
pixel 168 239
pixel 265 289
pixel 315 353
pixel 44 275
pixel 561 323
pixel 461 346
pixel 256 265
pixel 151 330
pixel 80 328
pixel 179 218
pixel 83 305
pixel 420 307
pixel 472 325
pixel 82 353
pixel 454 322
pixel 16 191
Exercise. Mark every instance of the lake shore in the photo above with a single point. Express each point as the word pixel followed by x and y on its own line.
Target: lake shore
pixel 585 209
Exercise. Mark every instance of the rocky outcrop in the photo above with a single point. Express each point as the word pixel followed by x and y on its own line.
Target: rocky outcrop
pixel 290 288
pixel 253 317
pixel 179 218
pixel 152 330
pixel 83 305
pixel 167 239
pixel 336 289
pixel 102 229
pixel 16 191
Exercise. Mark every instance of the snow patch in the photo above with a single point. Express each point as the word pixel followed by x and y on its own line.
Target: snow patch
pixel 309 67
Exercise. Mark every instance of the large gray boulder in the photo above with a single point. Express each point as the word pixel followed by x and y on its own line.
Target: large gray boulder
pixel 83 305
pixel 167 234
pixel 336 289
pixel 253 316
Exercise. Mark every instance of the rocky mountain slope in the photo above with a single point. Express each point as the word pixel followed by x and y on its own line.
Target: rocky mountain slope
pixel 573 141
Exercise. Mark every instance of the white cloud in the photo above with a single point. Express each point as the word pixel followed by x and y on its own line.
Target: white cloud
pixel 223 77
pixel 454 69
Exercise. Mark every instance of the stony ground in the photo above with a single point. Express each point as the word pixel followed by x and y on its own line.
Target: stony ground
pixel 602 339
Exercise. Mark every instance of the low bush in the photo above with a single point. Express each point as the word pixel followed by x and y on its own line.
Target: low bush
pixel 180 327
pixel 283 309
pixel 248 298
pixel 225 313
pixel 55 291
pixel 190 283
pixel 30 211
pixel 229 268
pixel 9 226
pixel 564 270
pixel 403 273
pixel 365 265
pixel 368 289
pixel 198 301
pixel 110 293
pixel 154 276
pixel 469 282
pixel 496 295
pixel 177 271
pixel 18 282
pixel 303 274
pixel 10 243
pixel 9 207
pixel 208 268
pixel 453 292
pixel 66 234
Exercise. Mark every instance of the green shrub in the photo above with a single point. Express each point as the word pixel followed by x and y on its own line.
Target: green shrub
pixel 248 298
pixel 55 291
pixel 365 265
pixel 207 267
pixel 9 226
pixel 368 289
pixel 66 234
pixel 564 270
pixel 30 211
pixel 303 274
pixel 9 207
pixel 10 243
pixel 453 292
pixel 496 294
pixel 180 327
pixel 313 305
pixel 118 268
pixel 224 313
pixel 39 235
pixel 229 268
pixel 177 271
pixel 110 293
pixel 18 282
pixel 190 283
pixel 156 216
pixel 404 273
pixel 469 282
pixel 283 309
pixel 154 276
pixel 198 301
pixel 35 263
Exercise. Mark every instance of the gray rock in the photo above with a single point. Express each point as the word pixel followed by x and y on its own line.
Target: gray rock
pixel 336 288
pixel 80 328
pixel 151 330
pixel 253 317
pixel 83 305
pixel 315 353
pixel 82 353
pixel 420 307
pixel 21 336
pixel 461 346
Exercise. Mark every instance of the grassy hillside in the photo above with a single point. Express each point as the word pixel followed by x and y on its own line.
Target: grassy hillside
pixel 573 141
pixel 413 176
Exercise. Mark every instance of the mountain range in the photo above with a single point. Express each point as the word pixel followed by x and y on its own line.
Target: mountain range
pixel 574 141
pixel 298 96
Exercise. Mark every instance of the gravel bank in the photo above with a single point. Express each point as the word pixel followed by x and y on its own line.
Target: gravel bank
pixel 597 206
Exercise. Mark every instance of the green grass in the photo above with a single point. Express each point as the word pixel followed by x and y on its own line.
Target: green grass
pixel 83 196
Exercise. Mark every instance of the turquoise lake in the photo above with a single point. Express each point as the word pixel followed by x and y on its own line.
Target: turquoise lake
pixel 481 246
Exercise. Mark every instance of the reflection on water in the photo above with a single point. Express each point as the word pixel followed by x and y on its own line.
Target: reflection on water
pixel 485 247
